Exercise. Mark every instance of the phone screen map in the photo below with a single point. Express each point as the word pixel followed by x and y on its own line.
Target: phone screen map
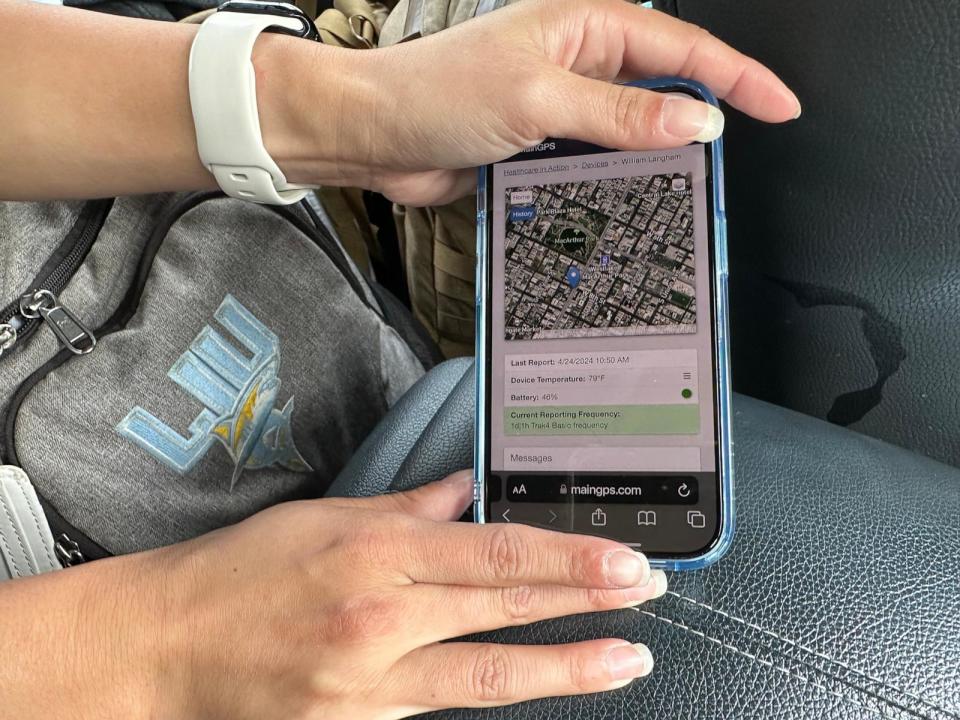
pixel 601 382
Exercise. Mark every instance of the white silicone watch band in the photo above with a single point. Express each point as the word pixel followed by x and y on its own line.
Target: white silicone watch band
pixel 223 97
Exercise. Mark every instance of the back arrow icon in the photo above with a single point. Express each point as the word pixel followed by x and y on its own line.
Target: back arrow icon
pixel 505 513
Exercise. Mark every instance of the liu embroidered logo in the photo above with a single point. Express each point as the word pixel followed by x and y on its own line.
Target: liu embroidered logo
pixel 238 394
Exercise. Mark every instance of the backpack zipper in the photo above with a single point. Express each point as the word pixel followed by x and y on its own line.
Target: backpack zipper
pixel 74 546
pixel 42 305
pixel 20 318
pixel 69 329
pixel 68 551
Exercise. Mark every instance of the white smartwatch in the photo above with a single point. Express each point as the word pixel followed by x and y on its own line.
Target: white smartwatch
pixel 223 97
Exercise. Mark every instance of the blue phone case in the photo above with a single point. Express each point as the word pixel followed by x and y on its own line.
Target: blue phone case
pixel 722 331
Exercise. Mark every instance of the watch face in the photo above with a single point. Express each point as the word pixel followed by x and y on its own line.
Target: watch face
pixel 281 9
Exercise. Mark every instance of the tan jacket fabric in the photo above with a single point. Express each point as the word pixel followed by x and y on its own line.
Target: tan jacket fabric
pixel 438 246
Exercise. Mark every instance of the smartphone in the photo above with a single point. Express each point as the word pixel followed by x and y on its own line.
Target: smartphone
pixel 603 381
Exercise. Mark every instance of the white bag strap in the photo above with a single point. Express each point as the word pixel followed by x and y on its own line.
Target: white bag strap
pixel 26 543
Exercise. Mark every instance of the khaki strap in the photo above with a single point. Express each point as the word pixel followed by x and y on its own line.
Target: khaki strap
pixel 350 23
pixel 334 29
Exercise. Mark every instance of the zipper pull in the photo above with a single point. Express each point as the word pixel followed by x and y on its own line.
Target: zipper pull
pixel 8 337
pixel 77 338
pixel 68 552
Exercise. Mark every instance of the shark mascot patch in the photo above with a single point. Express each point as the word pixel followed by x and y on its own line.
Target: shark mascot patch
pixel 239 394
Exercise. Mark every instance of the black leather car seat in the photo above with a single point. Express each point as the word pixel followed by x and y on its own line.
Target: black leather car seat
pixel 839 599
pixel 843 225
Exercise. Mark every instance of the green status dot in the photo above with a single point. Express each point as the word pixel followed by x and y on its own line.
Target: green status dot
pixel 687 393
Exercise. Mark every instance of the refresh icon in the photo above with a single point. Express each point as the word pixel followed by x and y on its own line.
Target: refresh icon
pixel 684 490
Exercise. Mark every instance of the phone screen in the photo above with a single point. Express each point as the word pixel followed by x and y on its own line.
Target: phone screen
pixel 601 380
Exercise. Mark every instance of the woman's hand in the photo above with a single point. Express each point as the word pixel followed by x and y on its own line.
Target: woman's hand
pixel 337 608
pixel 419 116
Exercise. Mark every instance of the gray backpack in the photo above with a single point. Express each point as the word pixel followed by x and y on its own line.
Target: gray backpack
pixel 172 364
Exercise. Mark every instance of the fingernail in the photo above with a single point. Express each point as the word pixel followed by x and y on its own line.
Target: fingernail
pixel 796 101
pixel 629 661
pixel 461 477
pixel 691 119
pixel 626 569
pixel 659 580
pixel 655 587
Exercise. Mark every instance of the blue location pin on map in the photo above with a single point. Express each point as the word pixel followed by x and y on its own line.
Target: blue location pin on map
pixel 573 276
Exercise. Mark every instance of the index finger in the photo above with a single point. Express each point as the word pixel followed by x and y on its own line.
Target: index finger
pixel 655 44
pixel 508 555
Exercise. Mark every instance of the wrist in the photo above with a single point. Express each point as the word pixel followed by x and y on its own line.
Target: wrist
pixel 84 641
pixel 122 617
pixel 313 103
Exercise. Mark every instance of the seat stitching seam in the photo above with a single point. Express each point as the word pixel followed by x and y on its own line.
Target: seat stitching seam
pixel 770 664
pixel 798 646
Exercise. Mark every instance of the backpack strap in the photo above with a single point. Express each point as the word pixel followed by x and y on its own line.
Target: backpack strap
pixel 26 543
